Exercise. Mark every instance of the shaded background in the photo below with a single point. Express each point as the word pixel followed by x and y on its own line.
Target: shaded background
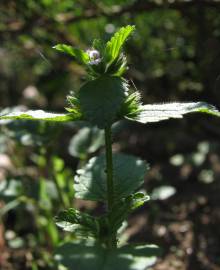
pixel 174 55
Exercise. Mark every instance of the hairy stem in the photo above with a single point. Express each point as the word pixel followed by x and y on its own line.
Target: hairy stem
pixel 109 167
pixel 110 184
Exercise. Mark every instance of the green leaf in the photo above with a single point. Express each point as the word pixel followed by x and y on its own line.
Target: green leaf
pixel 82 224
pixel 158 112
pixel 86 141
pixel 137 200
pixel 114 46
pixel 101 99
pixel 80 55
pixel 124 207
pixel 38 115
pixel 128 171
pixel 78 256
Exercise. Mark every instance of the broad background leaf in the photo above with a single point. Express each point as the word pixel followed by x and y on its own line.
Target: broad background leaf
pixel 90 183
pixel 86 141
pixel 78 256
pixel 158 112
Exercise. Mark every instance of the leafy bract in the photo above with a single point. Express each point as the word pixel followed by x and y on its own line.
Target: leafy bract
pixel 80 55
pixel 137 200
pixel 131 107
pixel 101 99
pixel 124 207
pixel 38 115
pixel 82 224
pixel 78 256
pixel 128 171
pixel 114 46
pixel 158 112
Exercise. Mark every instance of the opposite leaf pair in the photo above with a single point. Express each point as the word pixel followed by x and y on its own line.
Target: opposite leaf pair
pixel 106 97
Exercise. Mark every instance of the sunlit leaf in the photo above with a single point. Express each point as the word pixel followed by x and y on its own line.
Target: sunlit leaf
pixel 158 112
pixel 114 46
pixel 138 199
pixel 38 115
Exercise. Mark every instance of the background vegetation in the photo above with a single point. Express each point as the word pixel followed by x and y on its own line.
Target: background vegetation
pixel 174 56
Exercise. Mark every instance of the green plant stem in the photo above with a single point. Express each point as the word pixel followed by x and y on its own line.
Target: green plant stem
pixel 110 183
pixel 109 168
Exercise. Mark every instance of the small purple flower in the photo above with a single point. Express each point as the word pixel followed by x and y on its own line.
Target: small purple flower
pixel 94 57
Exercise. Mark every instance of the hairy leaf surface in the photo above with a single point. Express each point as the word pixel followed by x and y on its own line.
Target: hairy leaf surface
pixel 38 115
pixel 101 99
pixel 128 173
pixel 158 112
pixel 78 256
